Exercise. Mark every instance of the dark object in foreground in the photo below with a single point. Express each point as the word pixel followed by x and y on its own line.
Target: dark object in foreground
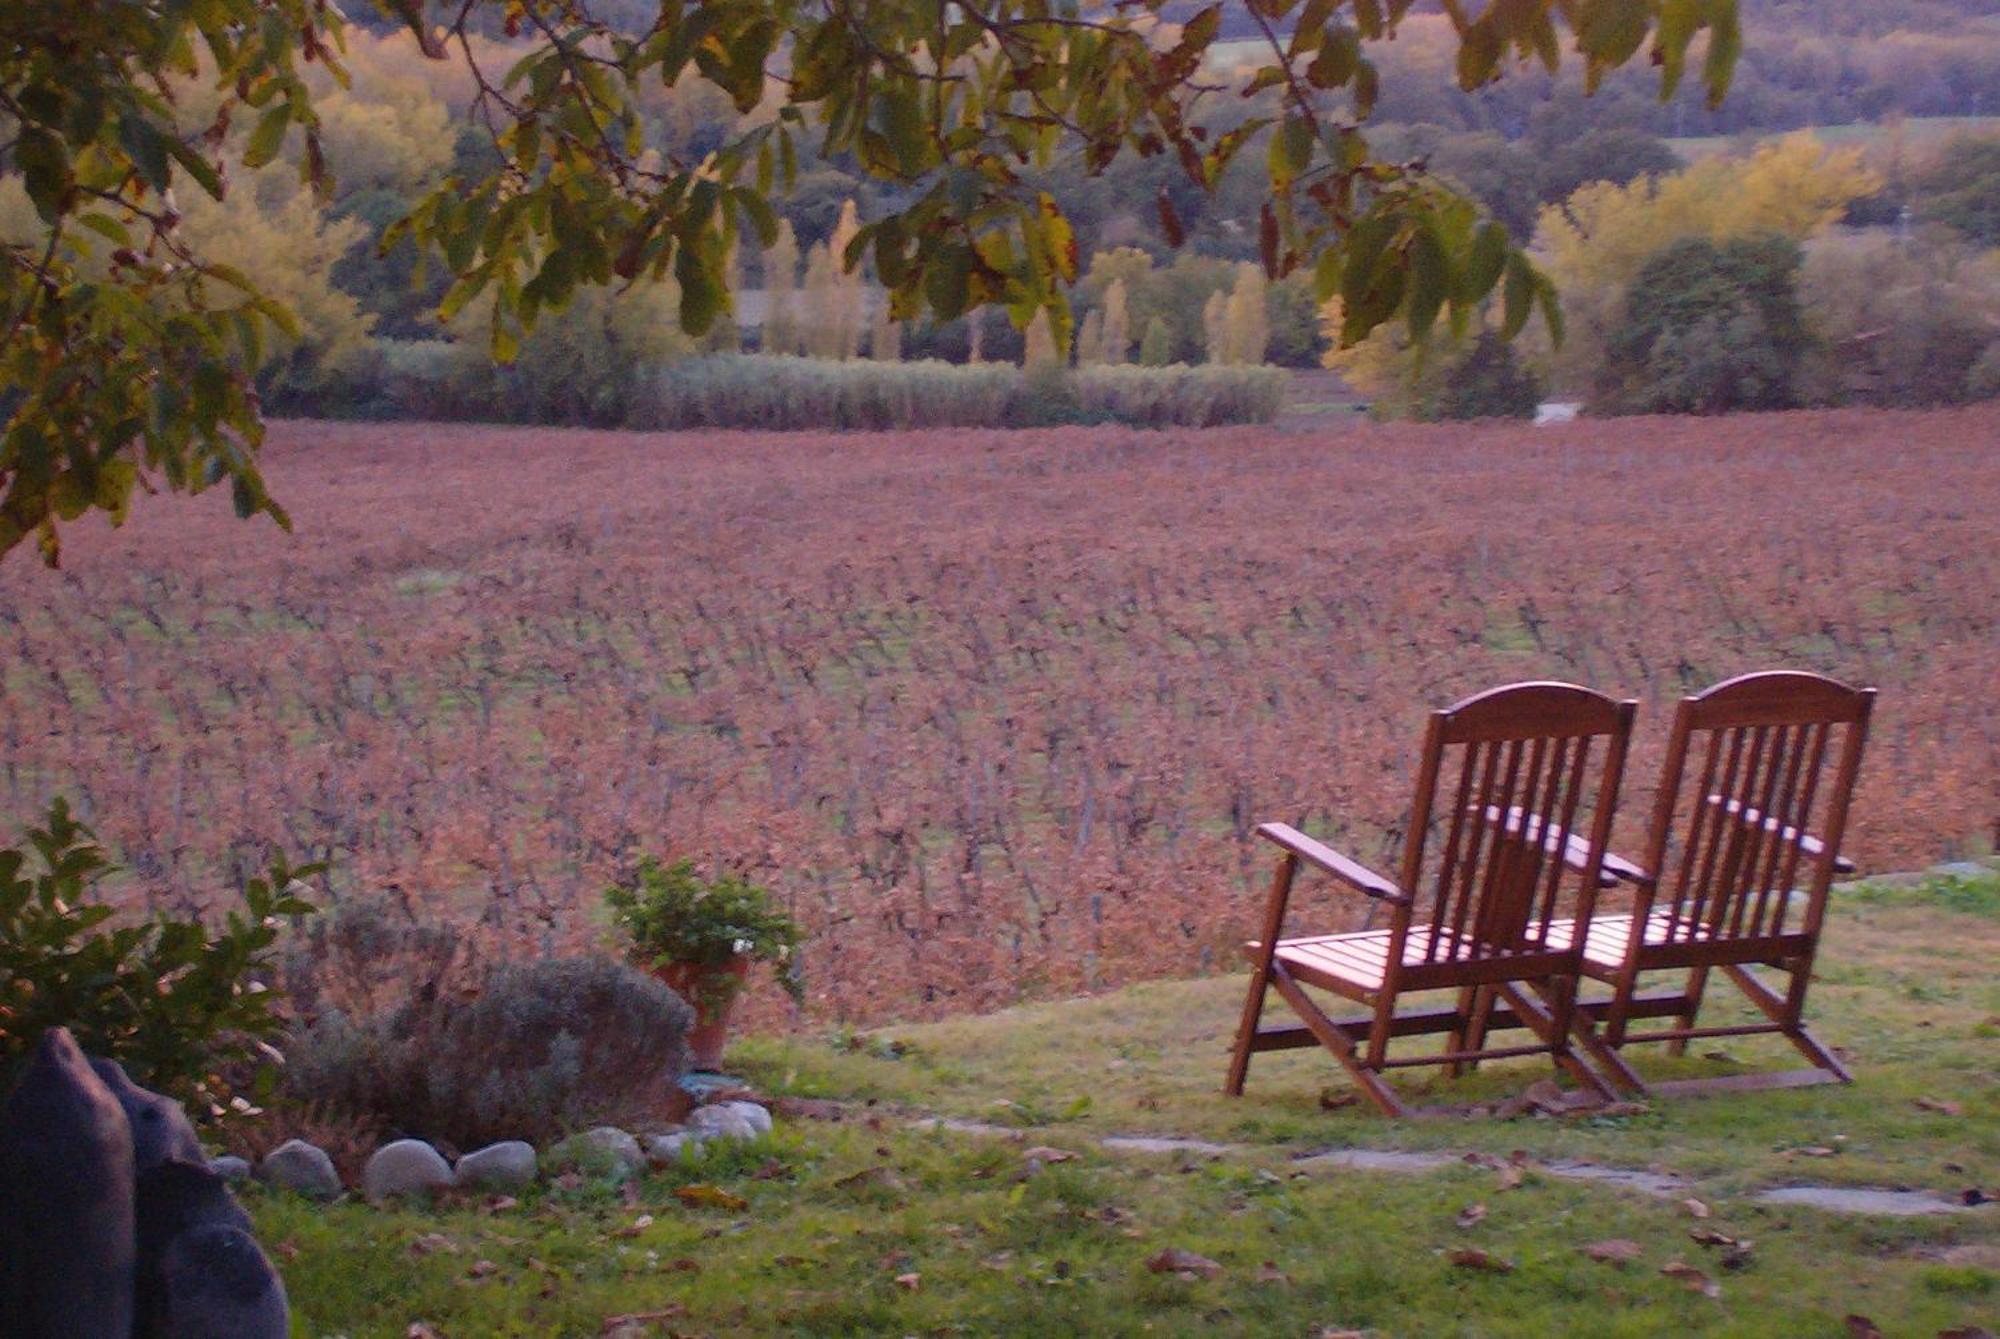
pixel 112 1224
pixel 1496 881
pixel 66 1189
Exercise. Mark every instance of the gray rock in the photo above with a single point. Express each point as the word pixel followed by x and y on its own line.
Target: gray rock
pixel 302 1167
pixel 66 1188
pixel 510 1165
pixel 405 1167
pixel 721 1121
pixel 604 1149
pixel 230 1168
pixel 755 1113
pixel 1961 869
pixel 219 1285
pixel 173 1199
pixel 161 1131
pixel 665 1150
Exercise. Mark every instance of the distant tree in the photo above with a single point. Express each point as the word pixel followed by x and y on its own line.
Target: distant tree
pixel 1709 327
pixel 1090 339
pixel 1295 332
pixel 1215 326
pixel 1041 350
pixel 1114 338
pixel 1961 188
pixel 885 336
pixel 1246 320
pixel 1900 321
pixel 1157 348
pixel 1617 154
pixel 781 278
pixel 1490 381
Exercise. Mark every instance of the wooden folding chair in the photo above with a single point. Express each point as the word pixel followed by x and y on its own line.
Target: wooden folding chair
pixel 1719 887
pixel 1494 888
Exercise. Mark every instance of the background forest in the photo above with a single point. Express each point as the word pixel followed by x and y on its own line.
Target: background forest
pixel 1702 268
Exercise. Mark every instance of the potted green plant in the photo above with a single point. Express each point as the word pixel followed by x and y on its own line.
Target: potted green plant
pixel 700 937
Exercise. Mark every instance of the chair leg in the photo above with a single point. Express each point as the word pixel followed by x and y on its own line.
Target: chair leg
pixel 1478 1016
pixel 1543 1024
pixel 1370 1082
pixel 1780 1011
pixel 1246 1030
pixel 1613 1065
pixel 1697 982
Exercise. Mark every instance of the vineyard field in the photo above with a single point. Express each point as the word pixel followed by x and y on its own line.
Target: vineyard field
pixel 995 712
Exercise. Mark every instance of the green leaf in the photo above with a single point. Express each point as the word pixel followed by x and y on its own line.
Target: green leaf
pixel 269 135
pixel 1429 283
pixel 1517 296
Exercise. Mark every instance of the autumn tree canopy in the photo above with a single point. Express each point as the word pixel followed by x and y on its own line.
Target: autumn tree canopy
pixel 125 355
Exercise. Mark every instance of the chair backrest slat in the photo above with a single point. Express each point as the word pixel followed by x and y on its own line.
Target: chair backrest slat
pixel 1506 777
pixel 1762 808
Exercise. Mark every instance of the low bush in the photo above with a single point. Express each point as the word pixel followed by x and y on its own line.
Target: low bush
pixel 787 394
pixel 184 1006
pixel 534 1050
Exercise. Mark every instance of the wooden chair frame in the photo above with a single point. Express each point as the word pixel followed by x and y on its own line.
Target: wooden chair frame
pixel 1493 898
pixel 1731 879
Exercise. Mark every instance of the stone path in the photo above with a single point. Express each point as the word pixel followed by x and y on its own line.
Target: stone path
pixel 1833 1199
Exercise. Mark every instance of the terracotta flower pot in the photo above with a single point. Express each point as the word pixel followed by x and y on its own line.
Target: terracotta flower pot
pixel 711 991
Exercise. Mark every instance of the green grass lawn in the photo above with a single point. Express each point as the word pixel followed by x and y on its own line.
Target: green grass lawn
pixel 869 1226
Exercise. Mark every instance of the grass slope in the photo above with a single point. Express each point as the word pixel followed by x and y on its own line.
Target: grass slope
pixel 868 1226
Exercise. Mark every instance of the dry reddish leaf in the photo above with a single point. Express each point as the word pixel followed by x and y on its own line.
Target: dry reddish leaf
pixel 635 1227
pixel 1471 1214
pixel 909 1283
pixel 1614 1251
pixel 430 1243
pixel 1468 1258
pixel 286 1249
pixel 1510 1177
pixel 773 1170
pixel 711 1197
pixel 419 1330
pixel 1695 1208
pixel 1333 1099
pixel 1268 1272
pixel 1860 1327
pixel 1695 1280
pixel 1966 1332
pixel 1174 1260
pixel 999 1260
pixel 1941 1106
pixel 1044 1154
pixel 1816 1151
pixel 482 1269
pixel 1708 1236
pixel 501 1204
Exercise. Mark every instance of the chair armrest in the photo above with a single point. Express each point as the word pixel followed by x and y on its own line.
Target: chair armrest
pixel 1808 843
pixel 1575 849
pixel 1350 872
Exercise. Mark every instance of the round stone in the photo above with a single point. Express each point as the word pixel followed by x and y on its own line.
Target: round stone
pixel 510 1165
pixel 405 1167
pixel 302 1167
pixel 604 1149
pixel 230 1168
pixel 721 1121
pixel 665 1150
pixel 755 1113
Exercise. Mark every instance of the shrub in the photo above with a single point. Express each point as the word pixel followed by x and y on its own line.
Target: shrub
pixel 1709 327
pixel 182 1006
pixel 672 915
pixel 1489 382
pixel 541 1049
pixel 786 394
